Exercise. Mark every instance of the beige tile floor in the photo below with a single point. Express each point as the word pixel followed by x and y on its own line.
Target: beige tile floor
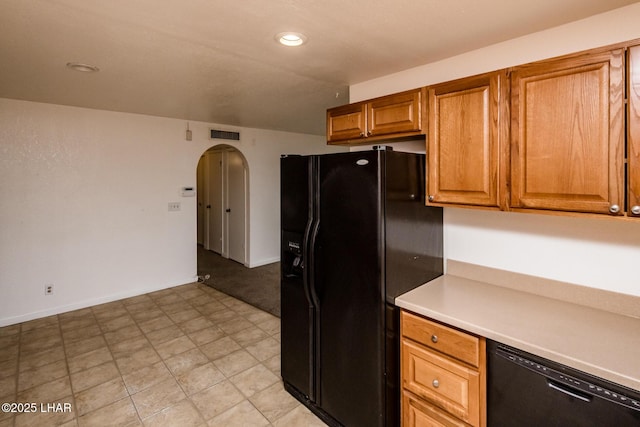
pixel 185 356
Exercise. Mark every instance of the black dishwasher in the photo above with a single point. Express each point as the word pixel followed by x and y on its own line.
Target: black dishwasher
pixel 526 390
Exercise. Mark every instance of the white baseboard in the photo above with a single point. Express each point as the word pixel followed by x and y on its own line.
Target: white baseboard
pixel 263 262
pixel 7 321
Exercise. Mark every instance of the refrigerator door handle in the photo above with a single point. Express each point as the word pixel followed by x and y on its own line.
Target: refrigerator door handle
pixel 312 265
pixel 306 261
pixel 311 237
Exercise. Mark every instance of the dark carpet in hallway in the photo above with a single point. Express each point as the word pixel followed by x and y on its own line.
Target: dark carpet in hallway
pixel 258 286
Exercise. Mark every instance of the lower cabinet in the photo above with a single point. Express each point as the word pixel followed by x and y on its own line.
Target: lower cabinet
pixel 417 413
pixel 443 374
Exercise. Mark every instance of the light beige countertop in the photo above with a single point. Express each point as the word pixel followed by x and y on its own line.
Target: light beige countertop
pixel 600 336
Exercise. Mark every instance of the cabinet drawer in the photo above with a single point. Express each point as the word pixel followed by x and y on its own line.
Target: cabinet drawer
pixel 417 414
pixel 446 340
pixel 449 385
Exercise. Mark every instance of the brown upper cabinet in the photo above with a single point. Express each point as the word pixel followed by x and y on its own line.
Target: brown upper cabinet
pixel 467 135
pixel 393 116
pixel 559 136
pixel 567 137
pixel 633 129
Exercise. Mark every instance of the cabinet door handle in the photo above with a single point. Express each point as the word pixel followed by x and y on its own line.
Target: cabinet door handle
pixel 431 197
pixel 434 339
pixel 635 210
pixel 436 383
pixel 614 209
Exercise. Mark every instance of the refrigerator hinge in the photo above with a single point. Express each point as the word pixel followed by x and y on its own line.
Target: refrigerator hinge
pixel 382 148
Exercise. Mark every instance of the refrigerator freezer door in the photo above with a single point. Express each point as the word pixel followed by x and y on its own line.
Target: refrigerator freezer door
pixel 297 312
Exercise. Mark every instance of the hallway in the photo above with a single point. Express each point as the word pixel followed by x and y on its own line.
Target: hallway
pixel 259 286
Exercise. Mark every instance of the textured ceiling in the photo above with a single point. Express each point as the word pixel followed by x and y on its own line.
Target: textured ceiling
pixel 217 60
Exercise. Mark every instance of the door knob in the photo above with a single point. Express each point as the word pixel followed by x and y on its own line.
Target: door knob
pixel 227 210
pixel 208 206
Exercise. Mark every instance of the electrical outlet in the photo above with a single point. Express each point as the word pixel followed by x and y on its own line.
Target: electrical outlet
pixel 174 206
pixel 48 289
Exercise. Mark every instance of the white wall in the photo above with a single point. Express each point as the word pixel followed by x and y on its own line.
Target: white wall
pixel 83 203
pixel 600 253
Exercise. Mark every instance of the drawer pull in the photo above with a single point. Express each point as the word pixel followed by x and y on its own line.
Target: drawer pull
pixel 436 383
pixel 434 339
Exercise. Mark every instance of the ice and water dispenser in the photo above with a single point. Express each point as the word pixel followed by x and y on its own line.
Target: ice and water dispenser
pixel 292 263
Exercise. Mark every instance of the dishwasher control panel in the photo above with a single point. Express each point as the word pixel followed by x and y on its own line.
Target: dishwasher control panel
pixel 580 388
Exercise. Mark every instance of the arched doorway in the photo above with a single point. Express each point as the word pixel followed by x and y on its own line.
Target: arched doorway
pixel 222 202
pixel 222 216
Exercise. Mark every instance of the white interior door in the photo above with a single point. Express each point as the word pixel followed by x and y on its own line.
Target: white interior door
pixel 200 202
pixel 215 203
pixel 206 200
pixel 236 206
pixel 222 203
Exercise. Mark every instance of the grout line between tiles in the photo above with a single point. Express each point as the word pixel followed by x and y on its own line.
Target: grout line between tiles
pixel 183 296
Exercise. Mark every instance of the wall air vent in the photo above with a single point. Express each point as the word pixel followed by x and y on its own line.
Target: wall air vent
pixel 223 134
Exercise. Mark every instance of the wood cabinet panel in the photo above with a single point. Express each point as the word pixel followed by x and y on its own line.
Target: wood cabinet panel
pixel 560 136
pixel 566 130
pixel 633 129
pixel 467 132
pixel 448 385
pixel 443 374
pixel 441 338
pixel 395 114
pixel 387 117
pixel 417 414
pixel 346 122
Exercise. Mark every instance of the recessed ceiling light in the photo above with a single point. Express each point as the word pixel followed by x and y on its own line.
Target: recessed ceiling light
pixel 291 39
pixel 84 68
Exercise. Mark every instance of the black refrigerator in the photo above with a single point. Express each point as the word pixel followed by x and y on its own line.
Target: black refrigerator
pixel 355 234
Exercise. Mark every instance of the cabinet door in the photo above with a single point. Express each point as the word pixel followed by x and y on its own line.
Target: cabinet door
pixel 467 130
pixel 633 126
pixel 346 122
pixel 567 134
pixel 395 114
pixel 418 414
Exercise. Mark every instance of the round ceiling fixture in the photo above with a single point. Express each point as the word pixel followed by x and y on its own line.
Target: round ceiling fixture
pixel 290 38
pixel 83 68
